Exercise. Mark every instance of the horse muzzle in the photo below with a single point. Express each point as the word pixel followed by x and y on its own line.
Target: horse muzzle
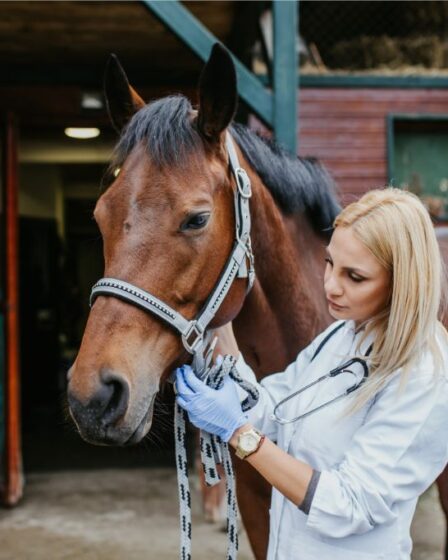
pixel 106 417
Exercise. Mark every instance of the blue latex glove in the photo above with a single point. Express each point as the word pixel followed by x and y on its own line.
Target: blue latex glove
pixel 215 411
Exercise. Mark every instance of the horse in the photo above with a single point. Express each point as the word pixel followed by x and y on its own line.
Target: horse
pixel 166 216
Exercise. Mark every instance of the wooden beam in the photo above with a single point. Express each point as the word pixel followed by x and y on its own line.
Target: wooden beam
pixel 285 73
pixel 13 488
pixel 197 37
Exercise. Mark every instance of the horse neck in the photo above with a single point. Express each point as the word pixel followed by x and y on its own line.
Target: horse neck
pixel 286 307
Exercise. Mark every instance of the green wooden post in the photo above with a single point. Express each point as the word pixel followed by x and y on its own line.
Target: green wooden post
pixel 285 73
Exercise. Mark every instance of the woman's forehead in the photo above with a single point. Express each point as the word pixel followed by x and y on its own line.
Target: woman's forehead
pixel 348 248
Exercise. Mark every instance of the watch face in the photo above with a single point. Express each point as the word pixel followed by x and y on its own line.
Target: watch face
pixel 249 442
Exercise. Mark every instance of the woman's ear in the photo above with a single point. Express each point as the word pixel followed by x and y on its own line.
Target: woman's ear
pixel 122 101
pixel 217 94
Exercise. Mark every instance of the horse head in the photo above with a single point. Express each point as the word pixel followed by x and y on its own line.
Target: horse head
pixel 167 221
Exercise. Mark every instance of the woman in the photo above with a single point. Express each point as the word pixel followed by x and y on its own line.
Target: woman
pixel 346 477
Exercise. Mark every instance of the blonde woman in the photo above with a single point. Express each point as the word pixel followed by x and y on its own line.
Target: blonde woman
pixel 349 456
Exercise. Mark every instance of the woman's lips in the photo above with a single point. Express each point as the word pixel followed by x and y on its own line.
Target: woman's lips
pixel 335 305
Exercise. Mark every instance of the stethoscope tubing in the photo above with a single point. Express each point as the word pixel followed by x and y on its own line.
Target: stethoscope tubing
pixel 333 373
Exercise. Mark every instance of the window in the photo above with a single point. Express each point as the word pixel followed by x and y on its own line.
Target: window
pixel 418 159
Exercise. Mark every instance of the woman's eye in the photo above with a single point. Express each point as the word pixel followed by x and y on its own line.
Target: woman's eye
pixel 196 221
pixel 355 278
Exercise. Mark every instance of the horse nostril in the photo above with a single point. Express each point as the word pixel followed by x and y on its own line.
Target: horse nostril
pixel 113 396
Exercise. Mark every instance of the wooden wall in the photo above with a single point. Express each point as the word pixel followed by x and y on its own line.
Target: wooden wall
pixel 347 130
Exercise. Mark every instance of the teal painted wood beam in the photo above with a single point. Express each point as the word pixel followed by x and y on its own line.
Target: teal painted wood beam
pixel 285 73
pixel 199 39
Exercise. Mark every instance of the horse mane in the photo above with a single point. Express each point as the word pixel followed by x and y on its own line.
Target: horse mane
pixel 297 184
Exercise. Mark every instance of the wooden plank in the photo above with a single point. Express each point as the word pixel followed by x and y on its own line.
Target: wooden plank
pixel 350 171
pixel 355 111
pixel 351 81
pixel 367 93
pixel 356 153
pixel 376 126
pixel 13 489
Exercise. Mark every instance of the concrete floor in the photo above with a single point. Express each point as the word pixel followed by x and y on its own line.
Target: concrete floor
pixel 132 515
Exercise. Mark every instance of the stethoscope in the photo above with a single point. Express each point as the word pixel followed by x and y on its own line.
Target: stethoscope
pixel 355 366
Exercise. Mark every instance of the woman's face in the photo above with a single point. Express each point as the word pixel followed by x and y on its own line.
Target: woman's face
pixel 356 285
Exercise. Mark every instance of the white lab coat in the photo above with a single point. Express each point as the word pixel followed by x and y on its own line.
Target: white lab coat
pixel 374 464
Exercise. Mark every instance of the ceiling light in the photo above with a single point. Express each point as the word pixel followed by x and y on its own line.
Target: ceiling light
pixel 91 100
pixel 82 133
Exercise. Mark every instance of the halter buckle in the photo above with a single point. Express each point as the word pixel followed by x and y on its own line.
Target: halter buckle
pixel 192 345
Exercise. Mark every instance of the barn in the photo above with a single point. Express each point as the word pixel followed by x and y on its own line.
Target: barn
pixel 362 87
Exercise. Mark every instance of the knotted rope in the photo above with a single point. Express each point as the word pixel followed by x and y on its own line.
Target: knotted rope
pixel 214 451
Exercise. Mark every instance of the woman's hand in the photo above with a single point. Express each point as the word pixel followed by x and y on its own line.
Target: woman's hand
pixel 214 411
pixel 227 343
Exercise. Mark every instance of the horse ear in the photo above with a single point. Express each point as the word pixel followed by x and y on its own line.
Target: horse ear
pixel 218 93
pixel 122 100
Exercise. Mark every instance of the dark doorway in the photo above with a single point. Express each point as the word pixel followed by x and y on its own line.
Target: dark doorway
pixel 56 275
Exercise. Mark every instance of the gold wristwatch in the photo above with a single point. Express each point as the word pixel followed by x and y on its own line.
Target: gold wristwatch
pixel 248 442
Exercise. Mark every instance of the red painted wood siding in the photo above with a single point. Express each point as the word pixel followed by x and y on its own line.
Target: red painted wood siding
pixel 346 130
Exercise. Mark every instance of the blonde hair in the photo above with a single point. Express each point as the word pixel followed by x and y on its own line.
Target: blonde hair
pixel 395 226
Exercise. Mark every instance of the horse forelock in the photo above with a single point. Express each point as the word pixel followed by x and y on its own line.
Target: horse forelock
pixel 165 128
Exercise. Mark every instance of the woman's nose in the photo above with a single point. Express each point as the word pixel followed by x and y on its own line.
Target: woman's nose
pixel 332 286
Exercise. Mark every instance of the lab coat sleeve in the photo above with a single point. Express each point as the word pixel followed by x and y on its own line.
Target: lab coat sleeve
pixel 276 386
pixel 395 456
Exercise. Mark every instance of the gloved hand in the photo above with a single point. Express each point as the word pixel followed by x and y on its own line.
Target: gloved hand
pixel 214 411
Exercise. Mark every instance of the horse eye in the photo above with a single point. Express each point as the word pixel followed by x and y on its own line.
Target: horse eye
pixel 196 221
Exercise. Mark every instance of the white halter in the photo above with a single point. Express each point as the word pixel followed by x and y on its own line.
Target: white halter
pixel 193 331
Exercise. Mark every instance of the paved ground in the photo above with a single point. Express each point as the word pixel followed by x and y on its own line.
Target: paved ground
pixel 132 515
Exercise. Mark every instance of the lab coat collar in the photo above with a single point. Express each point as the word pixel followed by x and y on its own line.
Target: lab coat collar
pixel 356 332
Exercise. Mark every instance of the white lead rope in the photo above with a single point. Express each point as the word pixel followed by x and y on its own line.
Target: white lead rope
pixel 214 451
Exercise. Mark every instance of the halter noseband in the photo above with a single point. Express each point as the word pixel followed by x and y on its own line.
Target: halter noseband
pixel 193 331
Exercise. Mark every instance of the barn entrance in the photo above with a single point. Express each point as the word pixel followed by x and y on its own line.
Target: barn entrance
pixel 61 257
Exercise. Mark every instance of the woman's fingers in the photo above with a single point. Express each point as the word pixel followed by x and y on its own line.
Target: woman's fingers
pixel 182 387
pixel 195 384
pixel 219 359
pixel 187 383
pixel 181 402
